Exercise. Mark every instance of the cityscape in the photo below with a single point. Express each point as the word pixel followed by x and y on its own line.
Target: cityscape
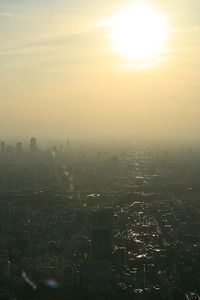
pixel 99 150
pixel 87 224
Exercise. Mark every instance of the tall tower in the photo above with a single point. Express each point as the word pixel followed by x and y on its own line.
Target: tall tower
pixel 102 234
pixel 33 145
pixel 67 145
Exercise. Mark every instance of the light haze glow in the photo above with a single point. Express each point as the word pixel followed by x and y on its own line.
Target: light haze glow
pixel 139 33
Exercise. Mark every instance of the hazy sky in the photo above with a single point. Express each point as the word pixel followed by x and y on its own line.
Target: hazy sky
pixel 59 75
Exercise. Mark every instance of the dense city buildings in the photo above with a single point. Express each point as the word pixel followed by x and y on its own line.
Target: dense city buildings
pixel 98 223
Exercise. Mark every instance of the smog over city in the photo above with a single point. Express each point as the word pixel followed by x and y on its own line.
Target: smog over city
pixel 99 149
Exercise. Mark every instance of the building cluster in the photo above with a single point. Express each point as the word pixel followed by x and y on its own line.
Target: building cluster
pixel 18 147
pixel 32 147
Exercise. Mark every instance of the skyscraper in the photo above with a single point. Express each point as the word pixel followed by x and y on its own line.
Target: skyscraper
pixel 33 145
pixel 102 234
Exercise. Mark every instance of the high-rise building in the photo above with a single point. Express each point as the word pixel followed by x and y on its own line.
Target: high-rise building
pixel 102 234
pixel 19 147
pixel 3 147
pixel 33 145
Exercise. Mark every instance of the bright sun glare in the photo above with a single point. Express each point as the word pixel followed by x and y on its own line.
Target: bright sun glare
pixel 139 34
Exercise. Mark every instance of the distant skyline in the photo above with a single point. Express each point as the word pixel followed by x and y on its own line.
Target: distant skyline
pixel 60 76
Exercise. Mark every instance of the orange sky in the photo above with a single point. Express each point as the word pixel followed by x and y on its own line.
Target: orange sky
pixel 59 75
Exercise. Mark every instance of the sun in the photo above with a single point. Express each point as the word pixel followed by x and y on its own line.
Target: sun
pixel 139 33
